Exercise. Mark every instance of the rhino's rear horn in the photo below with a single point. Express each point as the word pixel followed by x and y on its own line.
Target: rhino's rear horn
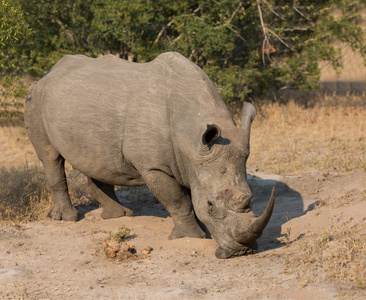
pixel 247 116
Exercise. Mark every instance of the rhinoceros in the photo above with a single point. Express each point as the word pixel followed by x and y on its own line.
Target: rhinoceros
pixel 162 124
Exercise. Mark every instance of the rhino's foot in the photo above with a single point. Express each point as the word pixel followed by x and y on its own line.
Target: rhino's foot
pixel 187 230
pixel 63 213
pixel 115 210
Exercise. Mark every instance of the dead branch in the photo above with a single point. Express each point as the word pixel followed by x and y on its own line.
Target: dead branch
pixel 301 13
pixel 281 40
pixel 163 30
pixel 235 12
pixel 266 44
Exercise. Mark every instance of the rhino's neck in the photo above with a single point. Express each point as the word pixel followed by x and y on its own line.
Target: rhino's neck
pixel 189 102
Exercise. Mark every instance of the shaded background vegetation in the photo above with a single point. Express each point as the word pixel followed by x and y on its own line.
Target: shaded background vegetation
pixel 248 48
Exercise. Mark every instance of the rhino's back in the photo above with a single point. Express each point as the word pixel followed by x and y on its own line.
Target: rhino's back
pixel 110 118
pixel 106 116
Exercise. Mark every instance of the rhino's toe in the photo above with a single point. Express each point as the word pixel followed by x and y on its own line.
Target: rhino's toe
pixel 65 214
pixel 116 211
pixel 180 231
pixel 54 214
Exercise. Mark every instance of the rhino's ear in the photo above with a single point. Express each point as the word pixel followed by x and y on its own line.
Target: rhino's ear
pixel 211 134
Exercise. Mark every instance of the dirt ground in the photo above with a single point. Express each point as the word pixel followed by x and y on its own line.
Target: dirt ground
pixel 58 260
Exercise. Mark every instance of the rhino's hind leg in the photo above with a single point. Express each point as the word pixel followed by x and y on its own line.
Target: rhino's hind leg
pixel 52 160
pixel 105 195
pixel 177 201
pixel 62 208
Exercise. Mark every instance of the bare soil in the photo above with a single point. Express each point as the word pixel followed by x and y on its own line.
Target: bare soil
pixel 58 260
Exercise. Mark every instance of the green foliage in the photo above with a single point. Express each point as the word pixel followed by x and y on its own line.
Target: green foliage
pixel 13 30
pixel 303 33
pixel 12 26
pixel 246 47
pixel 12 86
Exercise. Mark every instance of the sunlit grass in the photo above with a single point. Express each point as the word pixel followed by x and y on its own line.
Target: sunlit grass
pixel 337 255
pixel 292 139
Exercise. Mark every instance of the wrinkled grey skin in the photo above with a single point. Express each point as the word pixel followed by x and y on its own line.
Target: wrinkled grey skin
pixel 162 124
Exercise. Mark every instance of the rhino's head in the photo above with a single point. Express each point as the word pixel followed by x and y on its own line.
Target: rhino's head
pixel 221 196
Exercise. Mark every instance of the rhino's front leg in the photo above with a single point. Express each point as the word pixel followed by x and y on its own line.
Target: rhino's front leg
pixel 177 201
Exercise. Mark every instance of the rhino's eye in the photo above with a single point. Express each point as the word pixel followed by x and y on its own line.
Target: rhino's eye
pixel 210 206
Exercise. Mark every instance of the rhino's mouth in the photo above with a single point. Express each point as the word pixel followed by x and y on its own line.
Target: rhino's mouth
pixel 223 252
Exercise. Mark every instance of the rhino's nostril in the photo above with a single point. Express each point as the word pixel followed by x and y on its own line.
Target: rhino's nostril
pixel 247 209
pixel 247 203
pixel 241 203
pixel 248 199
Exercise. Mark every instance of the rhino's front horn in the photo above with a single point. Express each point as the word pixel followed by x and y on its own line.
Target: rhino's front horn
pixel 248 235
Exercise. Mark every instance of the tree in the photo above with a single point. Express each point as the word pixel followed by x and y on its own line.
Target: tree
pixel 12 30
pixel 246 47
pixel 297 35
pixel 12 26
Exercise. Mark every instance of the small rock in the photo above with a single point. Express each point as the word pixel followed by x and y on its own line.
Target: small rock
pixel 147 250
pixel 111 247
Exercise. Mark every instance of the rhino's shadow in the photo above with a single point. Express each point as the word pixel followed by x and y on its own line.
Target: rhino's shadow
pixel 289 204
pixel 141 201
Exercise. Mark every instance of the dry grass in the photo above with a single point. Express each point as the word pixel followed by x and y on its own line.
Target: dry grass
pixel 23 195
pixel 16 149
pixel 338 255
pixel 291 139
pixel 23 192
